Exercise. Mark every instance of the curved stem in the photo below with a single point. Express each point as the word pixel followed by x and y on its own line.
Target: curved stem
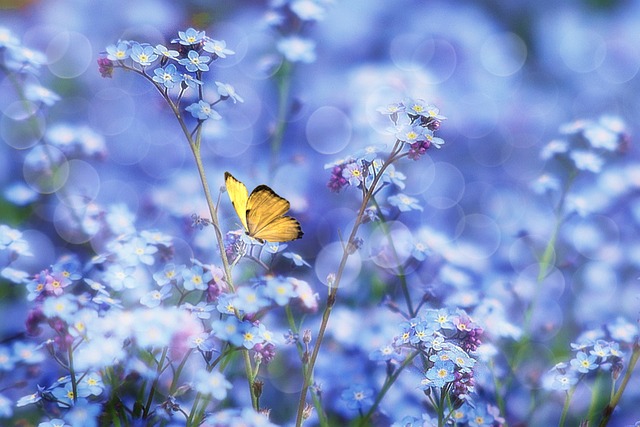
pixel 333 288
pixel 401 274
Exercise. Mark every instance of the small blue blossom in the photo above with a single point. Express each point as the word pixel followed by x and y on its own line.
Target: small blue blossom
pixel 196 278
pixel 385 353
pixel 217 47
pixel 84 414
pixel 584 363
pixel 227 91
pixel 194 62
pixel 250 299
pixel 63 307
pixel 39 93
pixel 30 398
pixel 28 353
pixel 357 397
pixel 7 361
pixel 143 54
pixel 213 383
pixel 251 335
pixel 298 261
pixel 229 329
pixel 155 297
pixel 586 160
pixel 118 52
pixel 202 310
pixel 202 341
pixel 167 53
pixel 171 273
pixel 6 407
pixel 440 373
pixel 119 277
pixel 167 76
pixel 280 290
pixel 189 37
pixel 225 304
pixel 190 81
pixel 297 49
pixel 202 111
pixel 404 203
pixel 353 174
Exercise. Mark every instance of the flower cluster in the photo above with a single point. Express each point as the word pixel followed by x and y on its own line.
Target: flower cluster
pixel 595 351
pixel 127 304
pixel 414 123
pixel 175 68
pixel 445 341
pixel 290 18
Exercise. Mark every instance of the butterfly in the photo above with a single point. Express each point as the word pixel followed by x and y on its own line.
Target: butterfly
pixel 262 212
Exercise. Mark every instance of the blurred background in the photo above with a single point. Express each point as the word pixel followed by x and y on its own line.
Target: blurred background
pixel 507 75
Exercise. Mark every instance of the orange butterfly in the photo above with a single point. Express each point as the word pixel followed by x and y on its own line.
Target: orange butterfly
pixel 262 212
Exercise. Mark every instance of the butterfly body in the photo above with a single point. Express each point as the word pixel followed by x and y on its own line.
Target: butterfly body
pixel 262 212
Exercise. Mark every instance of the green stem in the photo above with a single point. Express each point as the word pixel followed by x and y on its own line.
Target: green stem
pixel 284 89
pixel 565 407
pixel 608 410
pixel 154 385
pixel 72 374
pixel 386 387
pixel 333 288
pixel 401 274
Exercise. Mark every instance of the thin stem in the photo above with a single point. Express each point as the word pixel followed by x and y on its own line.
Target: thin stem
pixel 284 88
pixel 333 288
pixel 387 386
pixel 608 410
pixel 154 385
pixel 565 407
pixel 401 274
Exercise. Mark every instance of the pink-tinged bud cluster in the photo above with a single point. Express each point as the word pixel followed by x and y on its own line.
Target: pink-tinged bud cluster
pixel 337 182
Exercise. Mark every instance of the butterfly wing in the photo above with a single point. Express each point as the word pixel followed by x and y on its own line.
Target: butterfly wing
pixel 239 197
pixel 265 217
pixel 281 229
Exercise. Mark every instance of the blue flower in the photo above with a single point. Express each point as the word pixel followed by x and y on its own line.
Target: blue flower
pixel 584 363
pixel 143 54
pixel 297 49
pixel 189 37
pixel 357 397
pixel 167 76
pixel 194 62
pixel 171 273
pixel 39 93
pixel 118 52
pixel 440 373
pixel 7 361
pixel 227 91
pixel 167 53
pixel 298 261
pixel 196 278
pixel 229 329
pixel 353 173
pixel 155 297
pixel 279 290
pixel 6 407
pixel 250 299
pixel 84 414
pixel 217 47
pixel 202 111
pixel 202 310
pixel 404 203
pixel 202 341
pixel 213 383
